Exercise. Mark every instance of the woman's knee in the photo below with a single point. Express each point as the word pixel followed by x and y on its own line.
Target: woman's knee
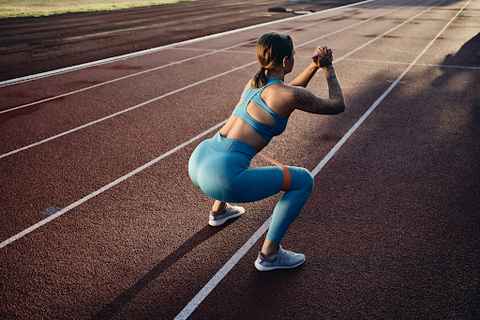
pixel 301 179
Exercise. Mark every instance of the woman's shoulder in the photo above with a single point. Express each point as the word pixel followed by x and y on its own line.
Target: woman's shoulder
pixel 280 97
pixel 282 90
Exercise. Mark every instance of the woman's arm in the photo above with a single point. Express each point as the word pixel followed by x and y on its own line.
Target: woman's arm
pixel 303 79
pixel 304 100
pixel 320 58
pixel 307 101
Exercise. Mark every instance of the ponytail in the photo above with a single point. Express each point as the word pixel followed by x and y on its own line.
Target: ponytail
pixel 272 47
pixel 260 79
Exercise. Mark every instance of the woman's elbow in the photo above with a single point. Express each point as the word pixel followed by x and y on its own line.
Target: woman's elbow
pixel 340 107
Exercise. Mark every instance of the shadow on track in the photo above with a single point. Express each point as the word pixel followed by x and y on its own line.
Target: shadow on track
pixel 116 305
pixel 467 56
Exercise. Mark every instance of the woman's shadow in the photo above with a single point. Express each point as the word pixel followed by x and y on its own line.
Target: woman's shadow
pixel 128 295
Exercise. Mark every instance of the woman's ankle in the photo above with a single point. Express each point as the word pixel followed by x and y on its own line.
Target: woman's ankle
pixel 270 249
pixel 218 206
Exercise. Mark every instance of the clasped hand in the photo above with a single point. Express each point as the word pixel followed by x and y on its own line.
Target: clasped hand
pixel 322 57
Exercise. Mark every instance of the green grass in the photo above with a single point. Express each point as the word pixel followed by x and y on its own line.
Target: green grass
pixel 37 8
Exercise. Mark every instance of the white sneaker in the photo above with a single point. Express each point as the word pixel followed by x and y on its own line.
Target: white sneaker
pixel 283 260
pixel 230 212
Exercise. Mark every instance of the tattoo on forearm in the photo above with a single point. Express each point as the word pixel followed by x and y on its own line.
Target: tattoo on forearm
pixel 311 103
pixel 335 92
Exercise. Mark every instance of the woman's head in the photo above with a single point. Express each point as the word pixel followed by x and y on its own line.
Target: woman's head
pixel 272 49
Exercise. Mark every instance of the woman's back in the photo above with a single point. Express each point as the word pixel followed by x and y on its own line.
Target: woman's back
pixel 261 114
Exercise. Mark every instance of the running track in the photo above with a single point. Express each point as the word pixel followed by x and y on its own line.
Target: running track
pixel 100 221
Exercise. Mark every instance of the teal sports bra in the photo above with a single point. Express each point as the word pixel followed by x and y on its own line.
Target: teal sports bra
pixel 266 131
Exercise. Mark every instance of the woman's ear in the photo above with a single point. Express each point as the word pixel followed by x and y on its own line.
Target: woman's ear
pixel 288 64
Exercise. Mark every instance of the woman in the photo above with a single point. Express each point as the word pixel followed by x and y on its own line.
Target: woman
pixel 220 165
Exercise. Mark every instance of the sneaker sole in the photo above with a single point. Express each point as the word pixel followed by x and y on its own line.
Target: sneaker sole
pixel 263 268
pixel 217 223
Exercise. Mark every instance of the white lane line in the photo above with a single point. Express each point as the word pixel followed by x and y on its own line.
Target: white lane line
pixel 418 64
pixel 205 291
pixel 108 186
pixel 194 84
pixel 215 280
pixel 153 50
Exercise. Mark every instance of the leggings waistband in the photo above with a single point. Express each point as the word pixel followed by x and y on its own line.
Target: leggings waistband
pixel 221 144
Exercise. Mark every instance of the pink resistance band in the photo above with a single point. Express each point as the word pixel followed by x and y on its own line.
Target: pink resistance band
pixel 286 173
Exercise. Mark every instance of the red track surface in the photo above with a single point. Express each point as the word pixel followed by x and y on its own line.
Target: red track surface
pixel 390 231
pixel 36 44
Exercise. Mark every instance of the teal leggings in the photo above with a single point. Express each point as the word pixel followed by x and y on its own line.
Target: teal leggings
pixel 221 168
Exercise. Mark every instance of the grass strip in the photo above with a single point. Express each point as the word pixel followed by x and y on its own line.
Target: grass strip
pixel 38 8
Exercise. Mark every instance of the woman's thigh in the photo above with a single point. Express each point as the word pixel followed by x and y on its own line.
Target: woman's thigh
pixel 252 184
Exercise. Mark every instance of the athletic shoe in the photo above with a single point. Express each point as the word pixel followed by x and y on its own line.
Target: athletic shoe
pixel 283 260
pixel 230 212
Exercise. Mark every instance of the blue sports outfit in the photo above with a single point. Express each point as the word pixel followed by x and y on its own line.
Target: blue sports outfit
pixel 221 168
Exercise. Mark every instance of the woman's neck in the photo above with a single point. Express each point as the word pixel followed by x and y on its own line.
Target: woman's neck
pixel 279 74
